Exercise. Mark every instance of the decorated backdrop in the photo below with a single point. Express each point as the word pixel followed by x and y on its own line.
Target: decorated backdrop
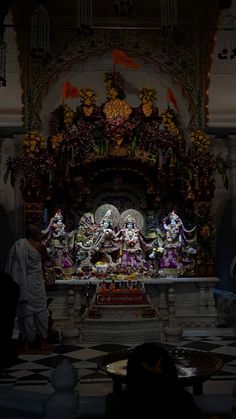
pixel 178 167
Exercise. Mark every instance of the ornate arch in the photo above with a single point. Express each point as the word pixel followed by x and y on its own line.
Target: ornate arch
pixel 180 62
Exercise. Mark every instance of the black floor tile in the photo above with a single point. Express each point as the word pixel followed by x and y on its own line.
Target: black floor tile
pixel 62 349
pixel 33 377
pixel 54 361
pixel 110 347
pixel 202 345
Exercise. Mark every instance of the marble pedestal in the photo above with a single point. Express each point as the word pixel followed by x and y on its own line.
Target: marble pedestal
pixel 181 304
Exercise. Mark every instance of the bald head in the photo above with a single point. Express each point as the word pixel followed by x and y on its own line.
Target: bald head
pixel 32 232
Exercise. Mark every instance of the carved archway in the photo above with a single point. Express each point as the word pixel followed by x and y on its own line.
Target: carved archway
pixel 153 48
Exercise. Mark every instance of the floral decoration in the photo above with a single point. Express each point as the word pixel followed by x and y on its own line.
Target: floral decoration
pixel 62 117
pixel 33 143
pixel 115 85
pixel 68 115
pixel 88 99
pixel 205 234
pixel 117 108
pixel 55 141
pixel 148 98
pixel 200 140
pixel 94 131
pixel 170 121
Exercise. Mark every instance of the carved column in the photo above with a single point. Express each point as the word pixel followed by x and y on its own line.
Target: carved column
pixel 162 307
pixel 210 299
pixel 203 297
pixel 70 333
pixel 173 331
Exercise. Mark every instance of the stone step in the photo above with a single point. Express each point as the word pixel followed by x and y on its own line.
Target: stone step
pixel 121 336
pixel 129 331
pixel 121 311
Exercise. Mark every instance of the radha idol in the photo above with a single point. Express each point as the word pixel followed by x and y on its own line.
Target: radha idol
pixel 133 244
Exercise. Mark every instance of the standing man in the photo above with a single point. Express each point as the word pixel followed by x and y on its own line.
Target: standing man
pixel 24 264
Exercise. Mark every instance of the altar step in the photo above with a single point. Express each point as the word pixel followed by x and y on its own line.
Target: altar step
pixel 126 326
pixel 116 331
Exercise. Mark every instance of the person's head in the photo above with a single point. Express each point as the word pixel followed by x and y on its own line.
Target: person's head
pixel 148 363
pixel 33 232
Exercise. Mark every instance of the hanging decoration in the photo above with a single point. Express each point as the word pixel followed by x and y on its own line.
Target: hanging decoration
pixel 3 58
pixel 169 14
pixel 40 31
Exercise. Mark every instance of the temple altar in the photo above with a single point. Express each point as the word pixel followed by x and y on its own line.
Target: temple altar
pixel 174 306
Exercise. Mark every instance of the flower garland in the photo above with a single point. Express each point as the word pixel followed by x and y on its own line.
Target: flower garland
pixel 61 117
pixel 68 115
pixel 55 141
pixel 200 140
pixel 88 99
pixel 169 122
pixel 148 98
pixel 33 143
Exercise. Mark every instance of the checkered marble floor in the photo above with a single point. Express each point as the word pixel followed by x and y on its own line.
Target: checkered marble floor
pixel 33 372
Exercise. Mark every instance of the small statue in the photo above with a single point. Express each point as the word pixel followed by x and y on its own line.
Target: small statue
pixel 133 245
pixel 177 245
pixel 56 240
pixel 99 242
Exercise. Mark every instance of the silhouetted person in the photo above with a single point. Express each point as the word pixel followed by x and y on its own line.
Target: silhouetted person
pixel 153 388
pixel 9 295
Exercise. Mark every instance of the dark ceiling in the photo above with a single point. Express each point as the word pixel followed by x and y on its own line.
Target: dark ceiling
pixel 124 13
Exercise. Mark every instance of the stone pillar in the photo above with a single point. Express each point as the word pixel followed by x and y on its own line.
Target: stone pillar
pixel 203 297
pixel 70 333
pixel 173 331
pixel 162 306
pixel 210 299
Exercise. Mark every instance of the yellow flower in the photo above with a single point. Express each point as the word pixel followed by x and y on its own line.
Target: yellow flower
pixel 200 140
pixel 33 142
pixel 147 95
pixel 117 109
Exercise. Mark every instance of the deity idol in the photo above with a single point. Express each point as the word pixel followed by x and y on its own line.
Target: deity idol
pixel 133 245
pixel 102 242
pixel 56 241
pixel 177 245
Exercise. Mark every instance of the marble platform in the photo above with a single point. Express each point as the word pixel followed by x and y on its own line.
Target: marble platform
pixel 181 304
